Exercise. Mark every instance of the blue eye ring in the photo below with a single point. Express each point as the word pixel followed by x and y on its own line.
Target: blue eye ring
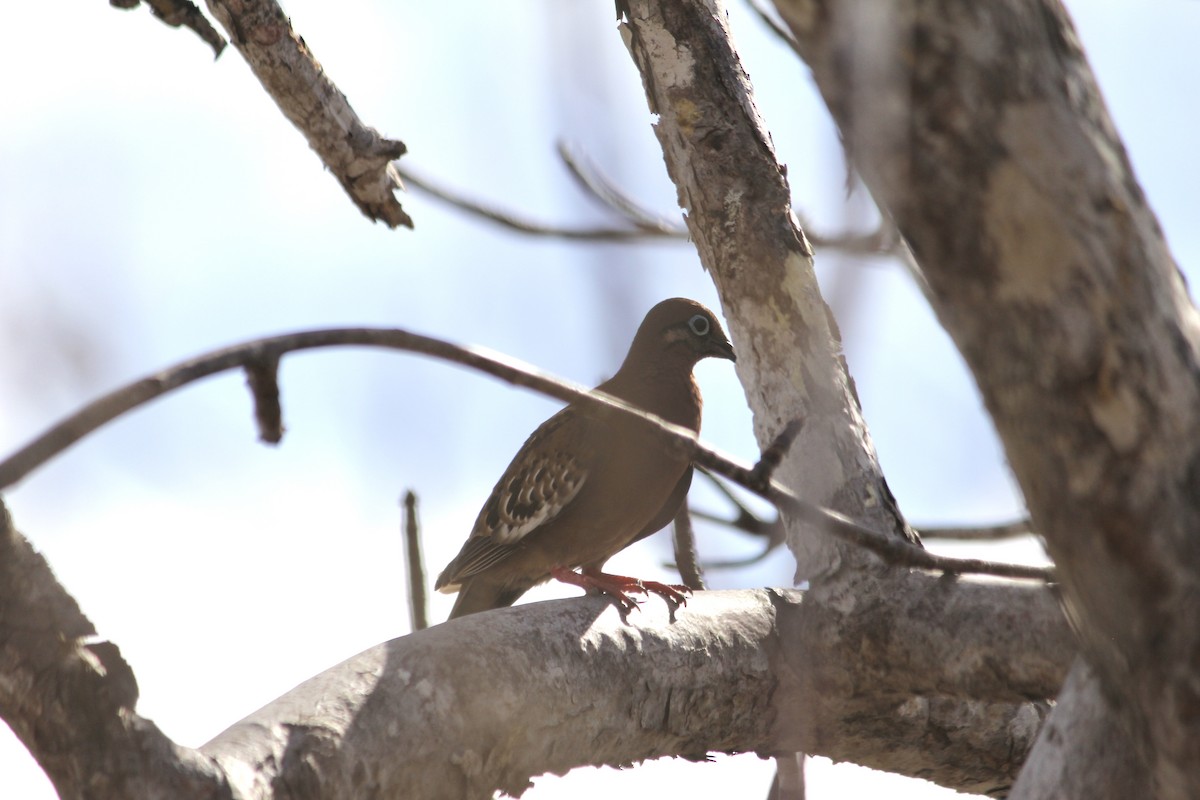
pixel 699 325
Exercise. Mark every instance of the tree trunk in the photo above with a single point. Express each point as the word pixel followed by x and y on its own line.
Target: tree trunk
pixel 981 131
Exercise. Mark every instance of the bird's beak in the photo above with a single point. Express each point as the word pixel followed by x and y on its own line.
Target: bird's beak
pixel 721 348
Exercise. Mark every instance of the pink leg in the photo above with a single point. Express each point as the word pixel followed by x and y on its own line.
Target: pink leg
pixel 619 586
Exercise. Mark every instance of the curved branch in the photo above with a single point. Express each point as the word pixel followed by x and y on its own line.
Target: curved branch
pixel 256 352
pixel 507 219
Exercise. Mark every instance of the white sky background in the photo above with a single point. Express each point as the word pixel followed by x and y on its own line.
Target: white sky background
pixel 155 205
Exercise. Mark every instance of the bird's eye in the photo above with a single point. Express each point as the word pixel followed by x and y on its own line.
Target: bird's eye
pixel 699 325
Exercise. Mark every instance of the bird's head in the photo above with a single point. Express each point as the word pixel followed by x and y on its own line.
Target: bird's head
pixel 682 329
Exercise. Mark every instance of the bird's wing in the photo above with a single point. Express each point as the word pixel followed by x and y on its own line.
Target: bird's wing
pixel 544 477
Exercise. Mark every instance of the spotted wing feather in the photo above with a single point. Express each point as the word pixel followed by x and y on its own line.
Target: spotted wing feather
pixel 543 478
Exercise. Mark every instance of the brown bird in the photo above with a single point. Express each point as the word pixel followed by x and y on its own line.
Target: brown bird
pixel 587 484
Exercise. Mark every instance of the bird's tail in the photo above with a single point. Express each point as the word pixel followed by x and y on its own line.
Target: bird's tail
pixel 476 595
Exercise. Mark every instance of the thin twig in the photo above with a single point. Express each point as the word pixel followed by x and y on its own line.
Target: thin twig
pixel 418 598
pixel 681 441
pixel 773 455
pixel 523 225
pixel 779 30
pixel 981 533
pixel 685 550
pixel 594 183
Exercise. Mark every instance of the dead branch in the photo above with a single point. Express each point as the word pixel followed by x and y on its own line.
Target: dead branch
pixel 598 186
pixel 109 407
pixel 357 155
pixel 418 596
pixel 511 221
pixel 686 560
pixel 979 533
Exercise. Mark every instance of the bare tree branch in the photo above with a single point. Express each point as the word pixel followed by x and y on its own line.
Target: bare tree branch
pixel 70 697
pixel 513 222
pixel 595 184
pixel 356 154
pixel 71 700
pixel 768 19
pixel 418 595
pixel 109 407
pixel 641 224
pixel 686 560
pixel 660 699
pixel 177 13
pixel 979 533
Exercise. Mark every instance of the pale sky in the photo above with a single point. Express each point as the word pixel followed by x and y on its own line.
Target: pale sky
pixel 154 205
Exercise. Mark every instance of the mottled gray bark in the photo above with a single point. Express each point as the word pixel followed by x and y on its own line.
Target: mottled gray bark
pixel 981 131
pixel 489 701
pixel 738 206
pixel 719 154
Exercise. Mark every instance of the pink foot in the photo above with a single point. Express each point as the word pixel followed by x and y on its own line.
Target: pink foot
pixel 619 586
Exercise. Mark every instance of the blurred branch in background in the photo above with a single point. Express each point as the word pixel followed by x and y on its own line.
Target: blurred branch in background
pixel 637 222
pixel 981 533
pixel 418 598
pixel 772 529
pixel 510 220
pixel 686 560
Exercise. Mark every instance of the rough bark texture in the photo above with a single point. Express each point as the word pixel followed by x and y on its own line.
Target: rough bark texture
pixel 738 204
pixel 739 213
pixel 70 697
pixel 980 129
pixel 567 683
pixel 356 154
pixel 1083 750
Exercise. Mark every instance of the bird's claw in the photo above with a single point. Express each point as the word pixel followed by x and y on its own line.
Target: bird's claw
pixel 618 587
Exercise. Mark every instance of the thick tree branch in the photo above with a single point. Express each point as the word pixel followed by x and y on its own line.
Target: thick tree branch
pixel 70 697
pixel 576 685
pixel 986 139
pixel 716 678
pixel 738 205
pixel 356 154
pixel 683 441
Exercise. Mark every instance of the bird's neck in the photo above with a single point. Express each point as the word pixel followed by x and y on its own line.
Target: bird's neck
pixel 667 390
